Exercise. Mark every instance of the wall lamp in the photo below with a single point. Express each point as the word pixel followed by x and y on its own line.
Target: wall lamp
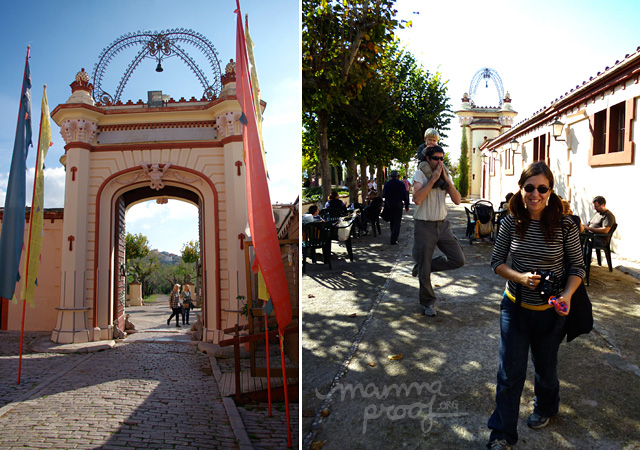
pixel 514 146
pixel 557 129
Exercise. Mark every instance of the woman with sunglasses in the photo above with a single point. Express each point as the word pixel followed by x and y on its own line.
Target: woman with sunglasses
pixel 539 238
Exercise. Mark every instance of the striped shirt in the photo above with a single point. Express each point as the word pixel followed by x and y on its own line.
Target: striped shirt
pixel 534 253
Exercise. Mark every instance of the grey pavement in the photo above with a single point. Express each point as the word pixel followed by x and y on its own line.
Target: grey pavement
pixel 153 390
pixel 380 375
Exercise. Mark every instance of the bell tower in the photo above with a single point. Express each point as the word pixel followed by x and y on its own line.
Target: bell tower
pixel 483 123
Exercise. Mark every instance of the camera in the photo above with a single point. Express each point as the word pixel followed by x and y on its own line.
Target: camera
pixel 547 279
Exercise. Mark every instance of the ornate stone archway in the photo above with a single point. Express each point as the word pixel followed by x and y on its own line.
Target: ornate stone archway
pixel 112 150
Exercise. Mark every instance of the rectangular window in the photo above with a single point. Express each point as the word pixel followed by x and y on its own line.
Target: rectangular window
pixel 599 132
pixel 616 136
pixel 541 148
pixel 508 161
pixel 611 135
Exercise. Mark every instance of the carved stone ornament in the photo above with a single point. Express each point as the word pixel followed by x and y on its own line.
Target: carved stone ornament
pixel 231 67
pixel 157 176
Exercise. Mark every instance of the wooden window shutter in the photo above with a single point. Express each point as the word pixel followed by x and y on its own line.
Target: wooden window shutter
pixel 629 115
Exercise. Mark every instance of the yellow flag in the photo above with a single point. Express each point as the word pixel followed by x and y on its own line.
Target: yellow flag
pixel 36 231
pixel 263 294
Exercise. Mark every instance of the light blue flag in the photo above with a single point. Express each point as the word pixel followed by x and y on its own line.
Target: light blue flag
pixel 13 220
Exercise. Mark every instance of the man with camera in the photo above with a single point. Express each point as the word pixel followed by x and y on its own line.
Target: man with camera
pixel 431 227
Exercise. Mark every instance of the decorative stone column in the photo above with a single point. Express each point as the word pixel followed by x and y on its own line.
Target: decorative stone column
pixel 79 133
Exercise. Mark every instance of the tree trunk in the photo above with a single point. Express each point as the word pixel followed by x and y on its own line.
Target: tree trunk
pixel 364 182
pixel 323 154
pixel 380 178
pixel 352 179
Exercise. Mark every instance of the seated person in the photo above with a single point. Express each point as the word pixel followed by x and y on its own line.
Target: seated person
pixel 372 210
pixel 334 202
pixel 311 215
pixel 602 221
pixel 566 210
pixel 505 204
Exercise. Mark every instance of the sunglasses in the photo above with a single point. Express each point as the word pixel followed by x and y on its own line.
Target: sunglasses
pixel 436 158
pixel 529 188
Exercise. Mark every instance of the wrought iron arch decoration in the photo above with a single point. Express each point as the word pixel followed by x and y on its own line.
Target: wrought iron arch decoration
pixel 487 74
pixel 158 45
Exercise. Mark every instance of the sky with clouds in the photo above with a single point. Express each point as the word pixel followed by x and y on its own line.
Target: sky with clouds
pixel 70 35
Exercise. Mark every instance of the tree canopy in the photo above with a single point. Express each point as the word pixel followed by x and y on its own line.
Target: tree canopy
pixel 341 43
pixel 365 99
pixel 191 252
pixel 137 246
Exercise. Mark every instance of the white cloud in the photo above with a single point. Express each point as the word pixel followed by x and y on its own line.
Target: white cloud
pixel 4 179
pixel 151 211
pixel 53 187
pixel 167 226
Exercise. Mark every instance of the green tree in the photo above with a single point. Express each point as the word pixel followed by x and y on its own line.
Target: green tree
pixel 144 267
pixel 386 122
pixel 137 246
pixel 190 256
pixel 190 252
pixel 341 42
pixel 463 165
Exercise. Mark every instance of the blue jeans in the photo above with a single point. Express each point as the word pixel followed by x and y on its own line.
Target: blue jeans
pixel 521 330
pixel 185 315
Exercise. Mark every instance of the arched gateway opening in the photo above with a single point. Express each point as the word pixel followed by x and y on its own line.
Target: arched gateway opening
pixel 117 155
pixel 123 203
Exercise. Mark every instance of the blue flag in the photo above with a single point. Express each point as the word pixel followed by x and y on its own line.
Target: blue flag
pixel 12 234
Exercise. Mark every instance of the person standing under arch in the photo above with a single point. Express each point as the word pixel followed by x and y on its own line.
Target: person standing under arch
pixel 174 303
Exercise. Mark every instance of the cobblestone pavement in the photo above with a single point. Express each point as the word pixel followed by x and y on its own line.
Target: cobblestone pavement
pixel 266 433
pixel 154 390
pixel 133 396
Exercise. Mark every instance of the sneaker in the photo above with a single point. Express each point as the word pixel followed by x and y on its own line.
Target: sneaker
pixel 500 444
pixel 430 311
pixel 536 421
pixel 178 325
pixel 168 322
pixel 414 272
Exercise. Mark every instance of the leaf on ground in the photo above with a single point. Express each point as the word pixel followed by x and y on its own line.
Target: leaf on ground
pixel 353 315
pixel 436 285
pixel 317 445
pixel 372 364
pixel 395 357
pixel 312 296
pixel 325 413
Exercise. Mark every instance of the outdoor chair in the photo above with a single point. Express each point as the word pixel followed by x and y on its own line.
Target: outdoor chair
pixel 498 218
pixel 483 219
pixel 471 223
pixel 332 217
pixel 372 215
pixel 316 235
pixel 595 242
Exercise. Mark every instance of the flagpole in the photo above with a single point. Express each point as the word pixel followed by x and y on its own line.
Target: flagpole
pixel 266 337
pixel 285 385
pixel 28 253
pixel 17 125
